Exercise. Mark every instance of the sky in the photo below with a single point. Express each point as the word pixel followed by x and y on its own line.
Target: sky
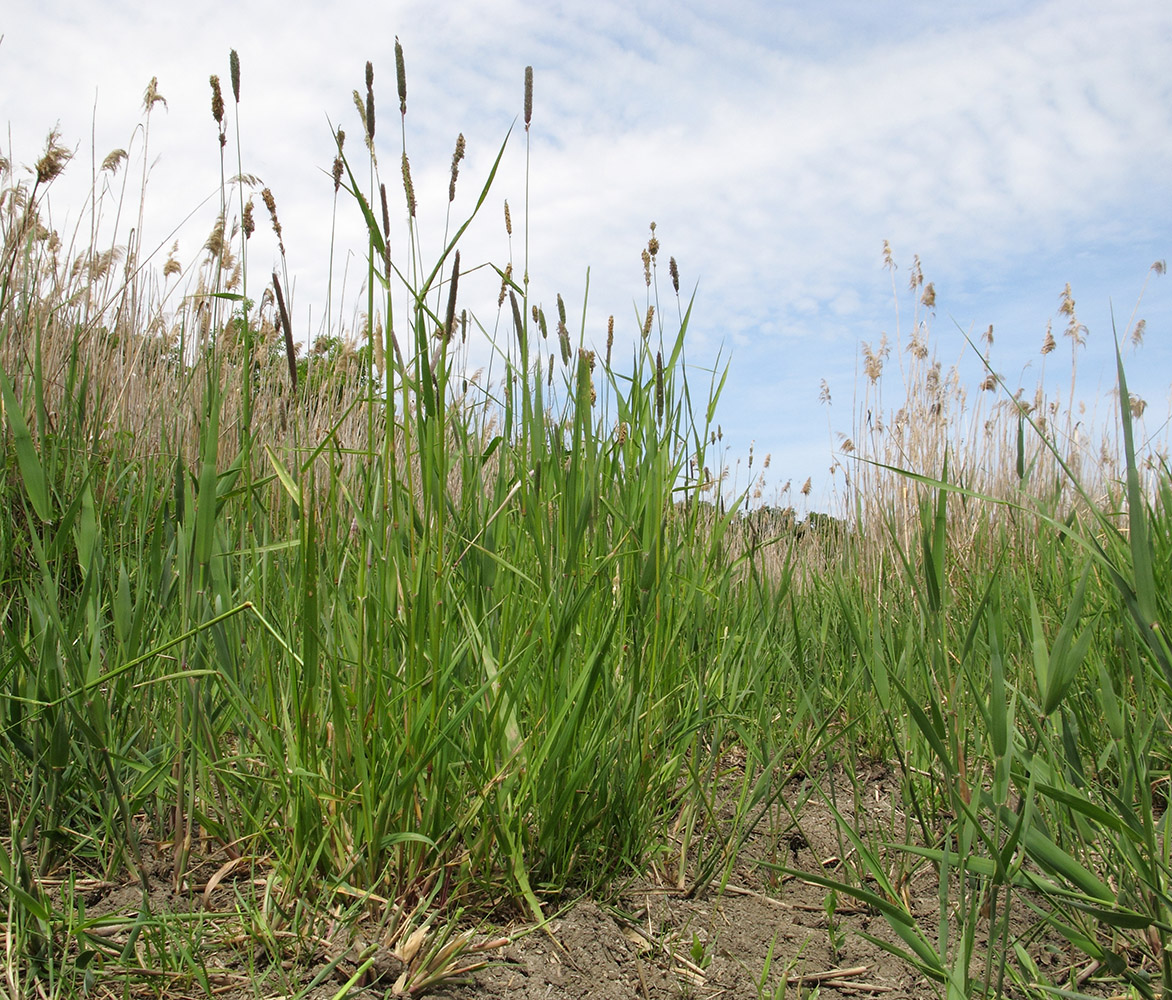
pixel 1012 147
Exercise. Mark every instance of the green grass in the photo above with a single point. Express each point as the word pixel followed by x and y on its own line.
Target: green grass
pixel 397 652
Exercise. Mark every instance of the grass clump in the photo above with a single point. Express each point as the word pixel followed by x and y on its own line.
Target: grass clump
pixel 362 648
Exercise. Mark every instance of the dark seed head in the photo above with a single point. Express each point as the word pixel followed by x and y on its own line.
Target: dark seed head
pixel 528 96
pixel 401 76
pixel 234 71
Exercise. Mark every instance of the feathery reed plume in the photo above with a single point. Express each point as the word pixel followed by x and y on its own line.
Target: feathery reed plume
pixel 457 156
pixel 218 108
pixel 53 160
pixel 450 320
pixel 290 349
pixel 928 299
pixel 151 95
pixel 528 96
pixel 1049 343
pixel 114 159
pixel 234 73
pixel 271 205
pixel 1075 330
pixel 408 187
pixel 401 76
pixel 247 222
pixel 674 271
pixel 370 99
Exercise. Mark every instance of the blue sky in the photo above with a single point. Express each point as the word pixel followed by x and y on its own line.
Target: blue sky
pixel 1013 147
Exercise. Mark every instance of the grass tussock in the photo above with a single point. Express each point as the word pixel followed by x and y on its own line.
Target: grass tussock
pixel 364 649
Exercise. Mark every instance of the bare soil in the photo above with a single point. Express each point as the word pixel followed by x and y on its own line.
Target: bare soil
pixel 751 931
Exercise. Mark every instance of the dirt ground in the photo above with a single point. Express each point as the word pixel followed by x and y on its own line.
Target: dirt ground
pixel 760 934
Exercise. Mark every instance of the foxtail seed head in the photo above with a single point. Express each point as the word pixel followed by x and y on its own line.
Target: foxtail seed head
pixel 234 73
pixel 528 96
pixel 217 100
pixel 457 156
pixel 401 76
pixel 369 99
pixel 674 271
pixel 408 187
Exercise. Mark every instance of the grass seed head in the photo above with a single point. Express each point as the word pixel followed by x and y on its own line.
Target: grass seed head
pixel 505 281
pixel 369 99
pixel 653 243
pixel 234 73
pixel 508 219
pixel 674 271
pixel 217 104
pixel 609 338
pixel 647 322
pixel 564 341
pixel 408 187
pixel 401 76
pixel 271 204
pixel 528 96
pixel 646 255
pixel 457 156
pixel 248 223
